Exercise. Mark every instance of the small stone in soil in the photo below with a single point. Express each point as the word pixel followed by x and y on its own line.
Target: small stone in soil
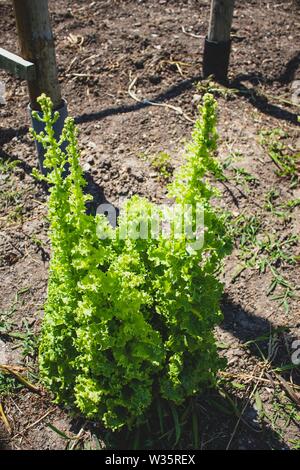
pixel 91 145
pixel 86 167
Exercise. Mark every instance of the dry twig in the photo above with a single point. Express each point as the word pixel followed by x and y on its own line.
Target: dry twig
pixel 177 109
pixel 192 34
pixel 34 423
pixel 5 420
pixel 13 370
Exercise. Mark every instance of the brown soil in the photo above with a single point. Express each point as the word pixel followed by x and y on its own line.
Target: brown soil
pixel 101 48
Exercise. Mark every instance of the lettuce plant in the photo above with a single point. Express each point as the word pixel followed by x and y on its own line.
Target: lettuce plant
pixel 129 319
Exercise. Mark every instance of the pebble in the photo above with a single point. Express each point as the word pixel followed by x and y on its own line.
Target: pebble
pixel 4 177
pixel 237 352
pixel 92 145
pixel 86 167
pixel 197 98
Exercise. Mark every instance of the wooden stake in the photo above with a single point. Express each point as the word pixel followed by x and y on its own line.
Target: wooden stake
pixel 217 44
pixel 221 14
pixel 37 46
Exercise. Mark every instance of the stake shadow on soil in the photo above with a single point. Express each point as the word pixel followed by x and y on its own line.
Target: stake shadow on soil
pixel 286 77
pixel 260 101
pixel 258 332
pixel 98 195
pixel 7 134
pixel 91 188
pixel 254 97
pixel 172 92
pixel 6 157
pixel 290 70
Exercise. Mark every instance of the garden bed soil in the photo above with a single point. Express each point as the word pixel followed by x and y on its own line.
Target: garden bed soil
pixel 105 51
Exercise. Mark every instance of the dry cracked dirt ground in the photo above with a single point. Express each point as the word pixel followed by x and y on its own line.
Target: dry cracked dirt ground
pixel 153 49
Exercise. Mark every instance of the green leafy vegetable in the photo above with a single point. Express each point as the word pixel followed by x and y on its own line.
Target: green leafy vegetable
pixel 129 319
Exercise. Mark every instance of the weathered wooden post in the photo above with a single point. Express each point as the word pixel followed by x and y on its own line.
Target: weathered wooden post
pixel 37 46
pixel 217 43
